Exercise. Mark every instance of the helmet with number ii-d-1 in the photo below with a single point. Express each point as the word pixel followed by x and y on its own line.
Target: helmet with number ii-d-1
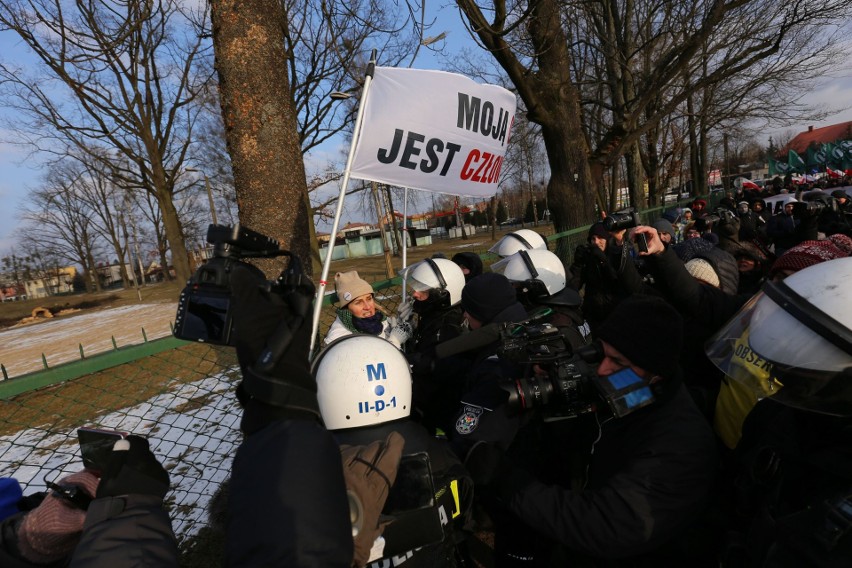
pixel 525 239
pixel 794 341
pixel 362 380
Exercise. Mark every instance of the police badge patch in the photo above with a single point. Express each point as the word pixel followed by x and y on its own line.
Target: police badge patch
pixel 469 419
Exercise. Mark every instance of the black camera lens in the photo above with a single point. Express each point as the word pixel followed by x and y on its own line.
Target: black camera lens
pixel 621 220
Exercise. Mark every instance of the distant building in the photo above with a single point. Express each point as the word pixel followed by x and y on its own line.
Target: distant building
pixel 813 136
pixel 50 283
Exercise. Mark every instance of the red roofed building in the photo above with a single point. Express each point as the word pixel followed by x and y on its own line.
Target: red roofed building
pixel 824 135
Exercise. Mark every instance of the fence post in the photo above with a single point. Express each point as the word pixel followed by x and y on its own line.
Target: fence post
pixel 44 361
pixel 144 335
pixel 82 355
pixel 5 374
pixel 114 344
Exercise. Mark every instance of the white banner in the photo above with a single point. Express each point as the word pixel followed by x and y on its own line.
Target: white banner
pixel 435 131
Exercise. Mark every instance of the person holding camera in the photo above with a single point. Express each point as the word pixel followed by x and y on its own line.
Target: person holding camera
pixel 783 228
pixel 639 495
pixel 603 269
pixel 86 520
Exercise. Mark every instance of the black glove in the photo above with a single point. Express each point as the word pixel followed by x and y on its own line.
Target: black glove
pixel 581 255
pixel 272 338
pixel 422 363
pixel 132 469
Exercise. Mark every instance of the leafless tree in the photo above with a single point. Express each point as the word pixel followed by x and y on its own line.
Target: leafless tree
pixel 57 221
pixel 655 56
pixel 308 50
pixel 117 76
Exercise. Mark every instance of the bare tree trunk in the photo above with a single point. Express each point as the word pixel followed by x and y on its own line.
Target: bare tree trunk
pixel 634 177
pixel 392 220
pixel 260 123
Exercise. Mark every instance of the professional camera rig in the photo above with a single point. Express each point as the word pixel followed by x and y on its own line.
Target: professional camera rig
pixel 562 382
pixel 204 307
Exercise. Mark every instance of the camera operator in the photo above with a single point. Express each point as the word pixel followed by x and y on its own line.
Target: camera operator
pixel 837 216
pixel 364 391
pixel 287 504
pixel 116 519
pixel 603 269
pixel 649 471
pixel 798 222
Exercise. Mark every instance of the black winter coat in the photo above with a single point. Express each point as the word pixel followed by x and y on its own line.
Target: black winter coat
pixel 608 278
pixel 704 309
pixel 649 479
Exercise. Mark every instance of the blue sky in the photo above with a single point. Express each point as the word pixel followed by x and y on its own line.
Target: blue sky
pixel 19 172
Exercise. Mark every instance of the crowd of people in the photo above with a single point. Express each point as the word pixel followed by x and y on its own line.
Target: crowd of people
pixel 683 403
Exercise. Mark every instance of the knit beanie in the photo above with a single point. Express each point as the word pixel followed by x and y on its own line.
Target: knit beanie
pixel 839 194
pixel 690 248
pixel 487 295
pixel 809 253
pixel 349 286
pixel 843 242
pixel 598 230
pixel 663 226
pixel 648 331
pixel 471 261
pixel 703 270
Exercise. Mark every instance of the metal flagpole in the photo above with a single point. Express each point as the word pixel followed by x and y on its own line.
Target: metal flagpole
pixel 371 67
pixel 404 236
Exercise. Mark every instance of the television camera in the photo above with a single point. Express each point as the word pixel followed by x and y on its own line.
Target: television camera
pixel 562 382
pixel 204 307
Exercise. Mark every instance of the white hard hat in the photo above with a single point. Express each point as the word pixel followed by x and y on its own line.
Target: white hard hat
pixel 436 274
pixel 534 266
pixel 794 341
pixel 361 380
pixel 525 239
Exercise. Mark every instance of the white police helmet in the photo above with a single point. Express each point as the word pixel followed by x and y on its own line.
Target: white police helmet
pixel 525 239
pixel 361 380
pixel 436 275
pixel 794 341
pixel 535 268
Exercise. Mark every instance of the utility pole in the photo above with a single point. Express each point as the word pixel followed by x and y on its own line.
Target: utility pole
pixel 388 264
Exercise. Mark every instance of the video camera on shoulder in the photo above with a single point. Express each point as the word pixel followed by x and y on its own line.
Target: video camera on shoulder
pixel 622 219
pixel 566 389
pixel 563 383
pixel 204 307
pixel 814 204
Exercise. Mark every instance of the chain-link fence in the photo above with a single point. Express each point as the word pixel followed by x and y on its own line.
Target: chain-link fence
pixel 181 398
